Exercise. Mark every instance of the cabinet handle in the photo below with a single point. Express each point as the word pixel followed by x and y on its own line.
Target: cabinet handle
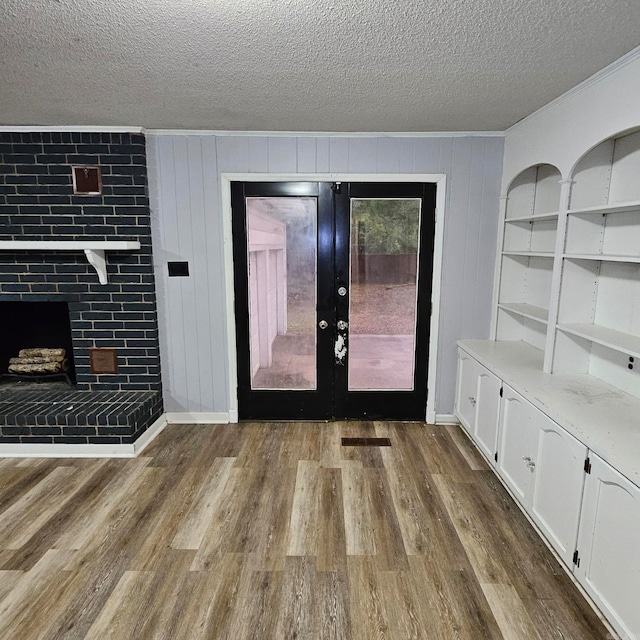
pixel 472 400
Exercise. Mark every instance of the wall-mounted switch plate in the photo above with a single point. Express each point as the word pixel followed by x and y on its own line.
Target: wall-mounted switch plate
pixel 178 269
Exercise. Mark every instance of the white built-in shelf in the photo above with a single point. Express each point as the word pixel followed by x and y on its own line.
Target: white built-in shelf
pixel 93 249
pixel 602 257
pixel 526 310
pixel 621 207
pixel 617 340
pixel 534 218
pixel 529 254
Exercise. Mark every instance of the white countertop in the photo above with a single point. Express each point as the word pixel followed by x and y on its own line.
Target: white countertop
pixel 604 418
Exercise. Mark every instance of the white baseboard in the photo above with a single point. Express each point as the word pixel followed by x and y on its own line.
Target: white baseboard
pixel 150 434
pixel 44 450
pixel 446 418
pixel 213 417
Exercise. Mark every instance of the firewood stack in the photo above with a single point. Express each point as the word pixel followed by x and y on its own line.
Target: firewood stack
pixel 39 362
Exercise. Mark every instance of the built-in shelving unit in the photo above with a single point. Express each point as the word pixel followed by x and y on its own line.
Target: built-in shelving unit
pixel 568 277
pixel 529 235
pixel 565 356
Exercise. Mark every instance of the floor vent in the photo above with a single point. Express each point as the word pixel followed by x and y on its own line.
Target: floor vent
pixel 366 442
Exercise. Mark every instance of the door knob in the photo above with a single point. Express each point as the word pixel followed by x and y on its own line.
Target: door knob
pixel 323 324
pixel 342 291
pixel 342 325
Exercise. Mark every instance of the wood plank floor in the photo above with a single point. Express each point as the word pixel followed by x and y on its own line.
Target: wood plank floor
pixel 277 531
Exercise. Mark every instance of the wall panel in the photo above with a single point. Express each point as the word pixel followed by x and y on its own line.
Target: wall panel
pixel 187 214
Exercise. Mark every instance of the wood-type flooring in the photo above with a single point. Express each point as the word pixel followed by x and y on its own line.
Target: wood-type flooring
pixel 276 531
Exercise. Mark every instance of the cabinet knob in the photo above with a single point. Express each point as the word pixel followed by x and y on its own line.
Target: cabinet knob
pixel 472 400
pixel 526 459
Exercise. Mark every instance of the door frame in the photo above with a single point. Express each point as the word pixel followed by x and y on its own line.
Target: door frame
pixel 228 275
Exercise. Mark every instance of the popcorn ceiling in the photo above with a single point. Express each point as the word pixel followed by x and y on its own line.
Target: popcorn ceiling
pixel 314 65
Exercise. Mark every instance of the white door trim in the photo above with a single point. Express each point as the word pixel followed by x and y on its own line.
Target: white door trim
pixel 225 190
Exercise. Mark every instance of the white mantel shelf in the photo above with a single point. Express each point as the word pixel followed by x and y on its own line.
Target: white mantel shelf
pixel 94 249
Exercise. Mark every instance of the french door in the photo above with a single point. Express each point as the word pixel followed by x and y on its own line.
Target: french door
pixel 332 299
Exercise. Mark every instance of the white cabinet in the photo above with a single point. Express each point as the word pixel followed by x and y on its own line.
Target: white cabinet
pixel 485 431
pixel 608 563
pixel 517 444
pixel 466 390
pixel 478 403
pixel 556 497
pixel 543 465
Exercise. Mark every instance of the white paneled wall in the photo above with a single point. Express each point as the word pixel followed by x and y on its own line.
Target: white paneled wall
pixel 187 225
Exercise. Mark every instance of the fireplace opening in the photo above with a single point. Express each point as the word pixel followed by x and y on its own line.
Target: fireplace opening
pixel 35 342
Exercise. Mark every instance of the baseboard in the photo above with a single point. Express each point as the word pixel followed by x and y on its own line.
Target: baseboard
pixel 44 450
pixel 213 417
pixel 445 418
pixel 150 434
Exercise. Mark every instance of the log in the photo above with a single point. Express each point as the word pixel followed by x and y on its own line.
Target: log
pixel 40 368
pixel 41 352
pixel 36 360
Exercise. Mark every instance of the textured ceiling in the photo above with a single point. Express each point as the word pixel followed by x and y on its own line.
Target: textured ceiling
pixel 301 65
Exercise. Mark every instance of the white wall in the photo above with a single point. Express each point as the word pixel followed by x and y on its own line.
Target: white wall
pixel 184 174
pixel 564 130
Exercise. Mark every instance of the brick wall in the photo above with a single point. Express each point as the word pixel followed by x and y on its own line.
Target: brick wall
pixel 37 203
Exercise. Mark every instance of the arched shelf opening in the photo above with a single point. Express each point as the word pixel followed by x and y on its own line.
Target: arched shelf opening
pixel 533 192
pixel 598 327
pixel 528 245
pixel 606 176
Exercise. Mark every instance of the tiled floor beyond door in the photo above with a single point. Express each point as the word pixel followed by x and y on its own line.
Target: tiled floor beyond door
pixel 275 531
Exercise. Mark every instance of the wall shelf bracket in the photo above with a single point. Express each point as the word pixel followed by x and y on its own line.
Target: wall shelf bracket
pixel 98 261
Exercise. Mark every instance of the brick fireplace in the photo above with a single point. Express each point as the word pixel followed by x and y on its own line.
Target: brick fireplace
pixel 37 202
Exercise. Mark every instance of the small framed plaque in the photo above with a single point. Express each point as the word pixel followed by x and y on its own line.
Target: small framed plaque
pixel 103 361
pixel 87 181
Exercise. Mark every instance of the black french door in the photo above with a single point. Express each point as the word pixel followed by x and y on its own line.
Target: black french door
pixel 332 299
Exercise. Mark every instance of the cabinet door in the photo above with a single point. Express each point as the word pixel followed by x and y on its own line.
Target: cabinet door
pixel 485 432
pixel 609 548
pixel 467 390
pixel 517 438
pixel 558 482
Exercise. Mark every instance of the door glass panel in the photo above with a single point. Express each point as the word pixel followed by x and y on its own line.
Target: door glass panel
pixel 282 292
pixel 383 293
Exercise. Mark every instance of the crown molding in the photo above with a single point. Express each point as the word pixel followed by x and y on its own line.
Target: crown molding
pixel 35 128
pixel 260 134
pixel 597 77
pixel 326 134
